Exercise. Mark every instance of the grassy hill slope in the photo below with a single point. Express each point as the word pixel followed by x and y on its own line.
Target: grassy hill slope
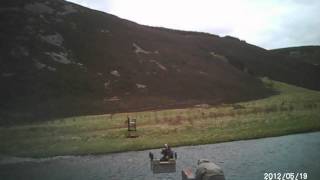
pixel 293 110
pixel 59 59
pixel 308 54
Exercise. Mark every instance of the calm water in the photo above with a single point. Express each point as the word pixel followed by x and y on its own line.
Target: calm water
pixel 240 160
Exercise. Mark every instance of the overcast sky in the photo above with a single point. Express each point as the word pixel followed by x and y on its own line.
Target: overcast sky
pixel 266 23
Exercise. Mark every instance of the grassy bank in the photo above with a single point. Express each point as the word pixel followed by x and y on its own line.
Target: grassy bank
pixel 293 110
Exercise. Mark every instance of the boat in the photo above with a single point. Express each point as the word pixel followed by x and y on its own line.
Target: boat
pixel 163 166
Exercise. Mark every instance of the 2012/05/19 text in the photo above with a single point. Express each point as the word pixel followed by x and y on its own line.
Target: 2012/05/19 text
pixel 285 176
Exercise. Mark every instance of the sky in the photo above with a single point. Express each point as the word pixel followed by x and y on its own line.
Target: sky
pixel 269 24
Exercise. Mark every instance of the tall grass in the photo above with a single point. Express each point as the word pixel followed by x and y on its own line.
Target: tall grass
pixel 292 110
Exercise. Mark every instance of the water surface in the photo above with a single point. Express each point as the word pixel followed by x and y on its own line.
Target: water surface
pixel 240 160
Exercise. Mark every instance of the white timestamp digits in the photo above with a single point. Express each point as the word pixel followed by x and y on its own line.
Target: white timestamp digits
pixel 285 176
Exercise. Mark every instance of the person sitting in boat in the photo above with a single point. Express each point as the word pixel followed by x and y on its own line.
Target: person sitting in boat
pixel 167 153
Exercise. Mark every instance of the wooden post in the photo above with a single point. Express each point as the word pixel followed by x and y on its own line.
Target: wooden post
pixel 132 128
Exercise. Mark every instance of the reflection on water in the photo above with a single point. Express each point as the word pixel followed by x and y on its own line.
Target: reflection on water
pixel 240 160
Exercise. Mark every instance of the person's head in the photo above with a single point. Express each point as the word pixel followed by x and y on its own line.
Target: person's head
pixel 166 145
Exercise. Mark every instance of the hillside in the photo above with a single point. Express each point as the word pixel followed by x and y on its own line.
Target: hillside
pixel 293 110
pixel 59 59
pixel 308 54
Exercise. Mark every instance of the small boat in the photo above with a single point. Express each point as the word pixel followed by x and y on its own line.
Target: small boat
pixel 163 166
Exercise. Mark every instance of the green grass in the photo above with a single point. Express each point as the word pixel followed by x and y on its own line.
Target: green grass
pixel 292 110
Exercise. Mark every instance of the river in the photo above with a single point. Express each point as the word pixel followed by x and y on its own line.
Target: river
pixel 240 160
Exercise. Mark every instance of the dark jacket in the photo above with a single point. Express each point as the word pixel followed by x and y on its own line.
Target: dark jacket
pixel 167 153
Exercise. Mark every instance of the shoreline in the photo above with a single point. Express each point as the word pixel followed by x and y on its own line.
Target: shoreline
pixel 293 110
pixel 4 160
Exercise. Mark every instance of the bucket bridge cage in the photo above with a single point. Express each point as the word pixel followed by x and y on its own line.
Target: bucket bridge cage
pixel 158 166
pixel 132 128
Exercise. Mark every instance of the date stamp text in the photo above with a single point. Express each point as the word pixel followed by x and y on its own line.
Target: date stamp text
pixel 285 176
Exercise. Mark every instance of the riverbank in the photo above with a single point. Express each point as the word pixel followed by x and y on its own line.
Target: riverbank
pixel 293 110
pixel 240 160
